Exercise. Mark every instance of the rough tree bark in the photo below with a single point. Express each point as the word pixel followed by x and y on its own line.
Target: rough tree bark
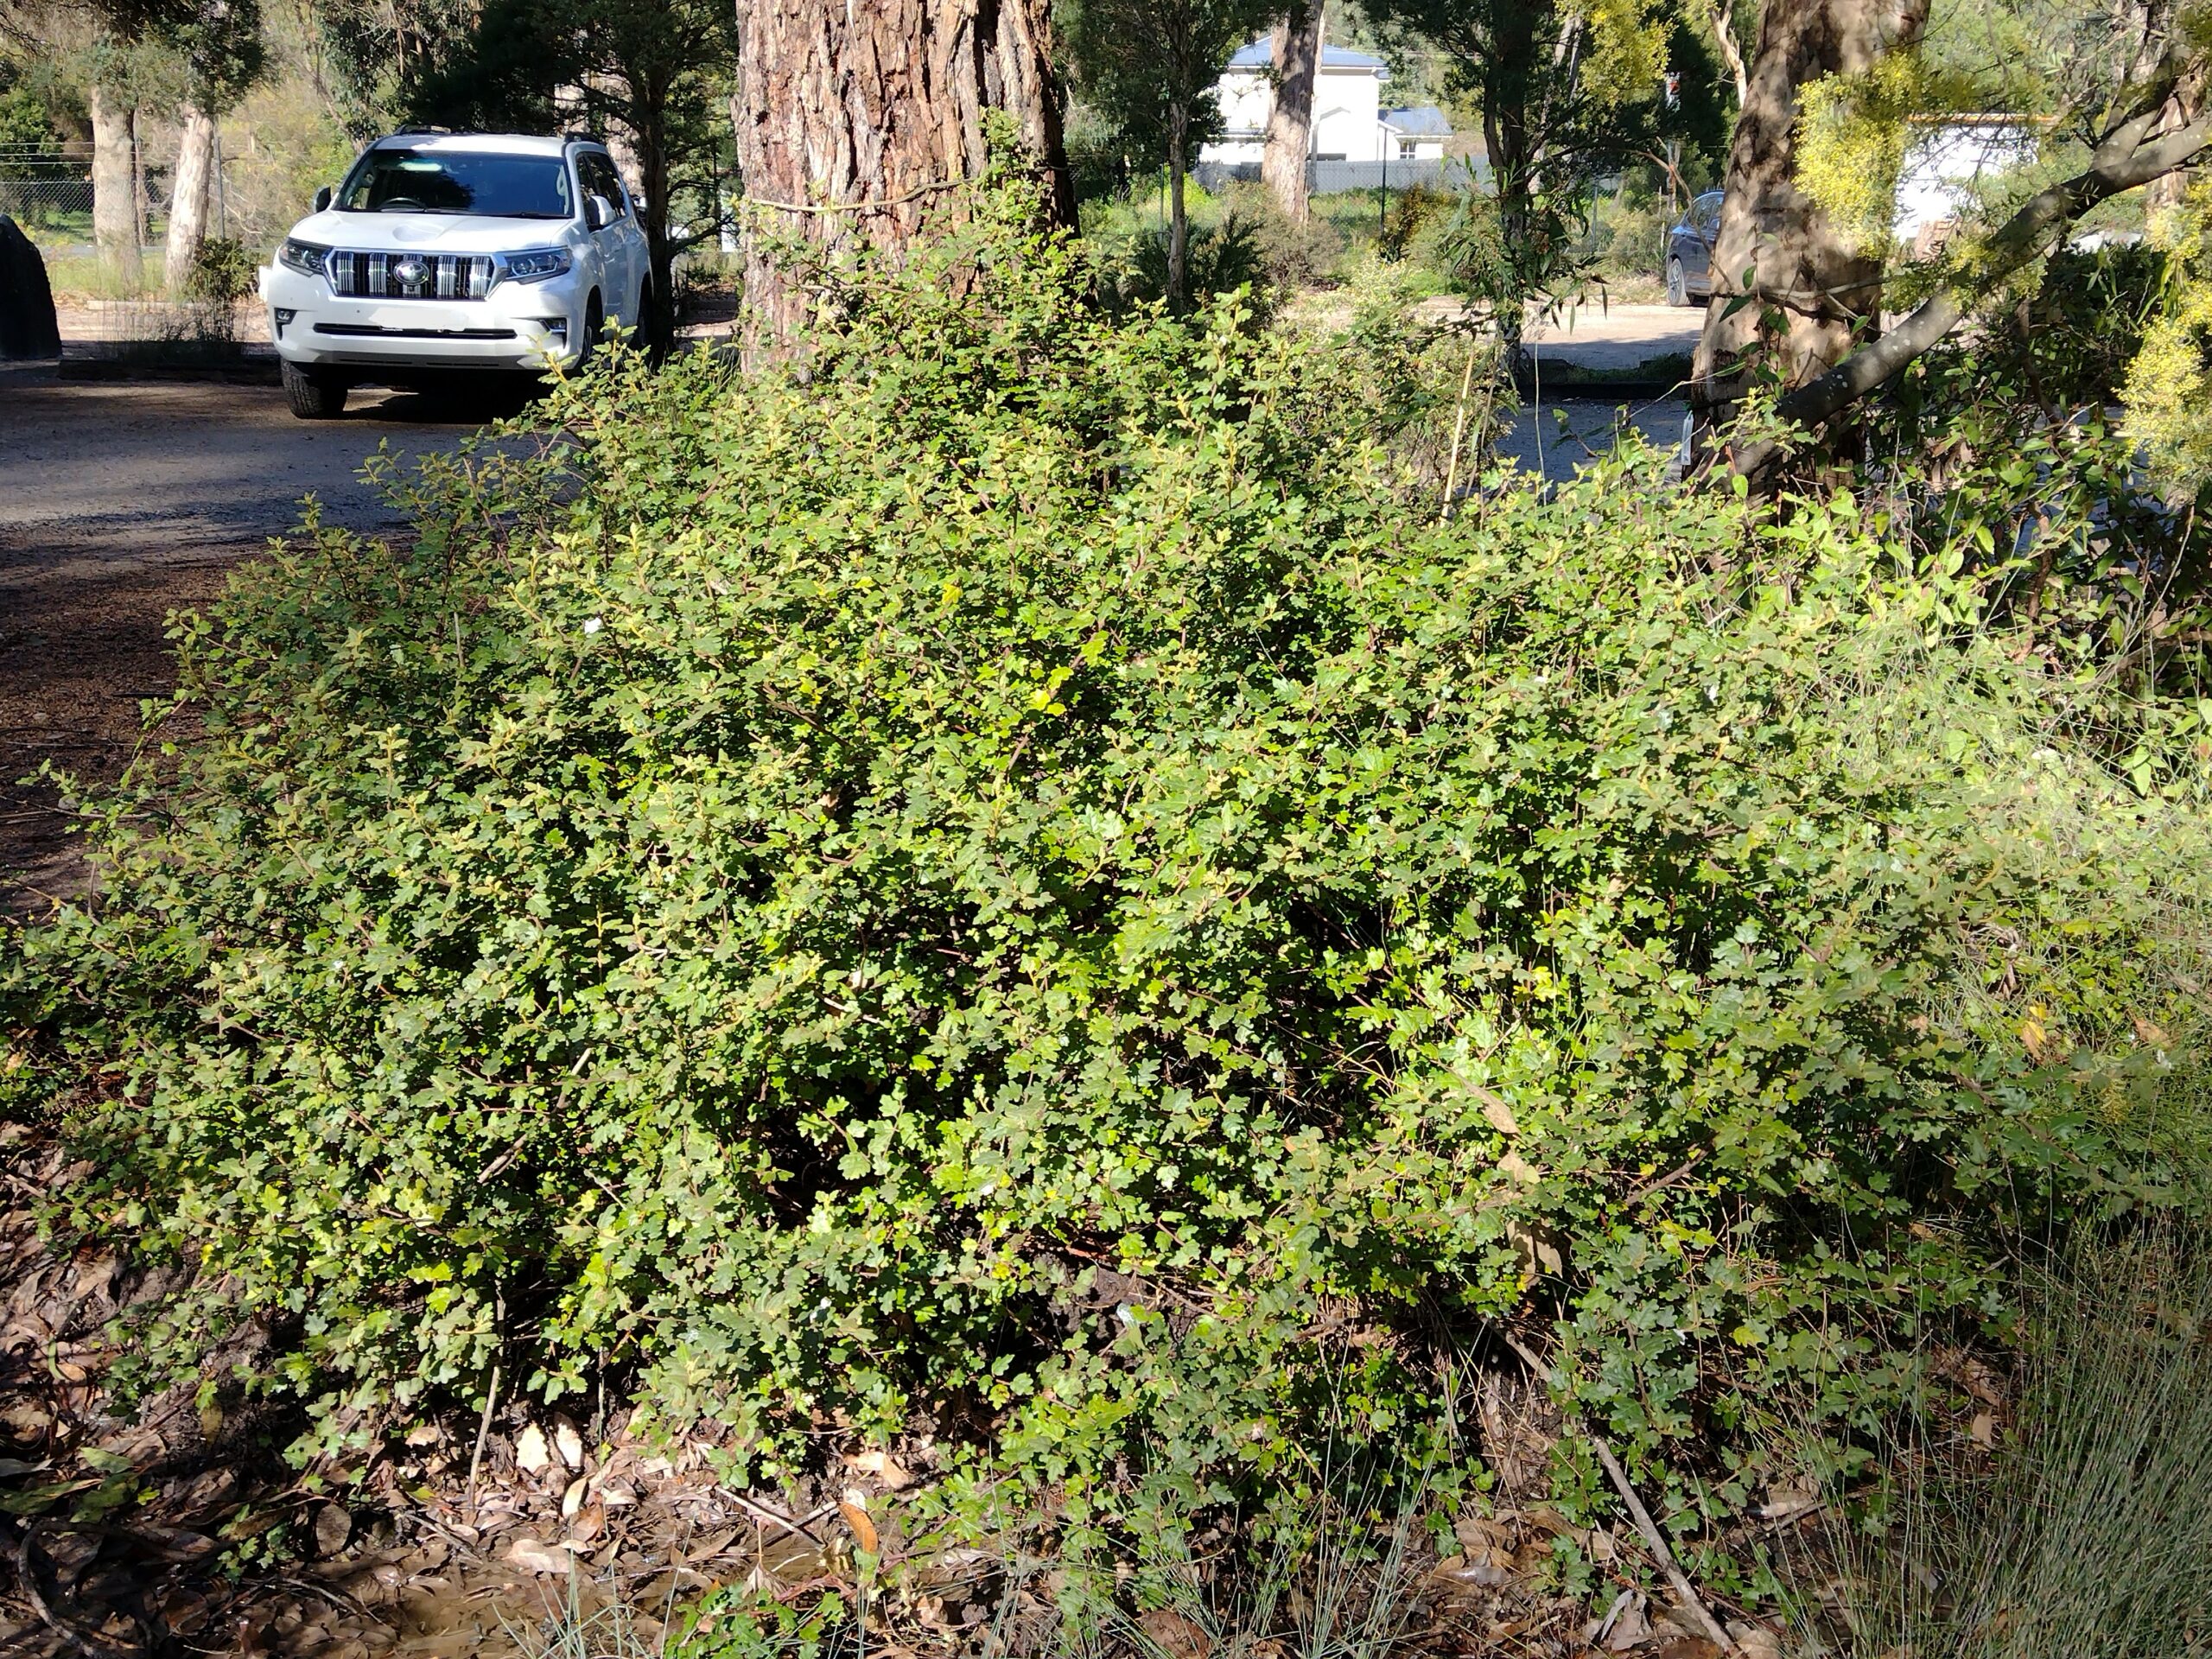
pixel 114 187
pixel 1297 54
pixel 852 121
pixel 191 193
pixel 1824 290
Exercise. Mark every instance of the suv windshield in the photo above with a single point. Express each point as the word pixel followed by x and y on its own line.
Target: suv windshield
pixel 456 182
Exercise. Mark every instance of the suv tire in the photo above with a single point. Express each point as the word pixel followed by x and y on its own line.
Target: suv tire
pixel 1678 284
pixel 594 325
pixel 313 396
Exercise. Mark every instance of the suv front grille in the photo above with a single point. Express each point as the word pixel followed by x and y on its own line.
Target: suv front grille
pixel 409 276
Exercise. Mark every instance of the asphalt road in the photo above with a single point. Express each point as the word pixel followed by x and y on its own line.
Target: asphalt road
pixel 98 477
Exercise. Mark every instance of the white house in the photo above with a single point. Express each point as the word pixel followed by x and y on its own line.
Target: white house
pixel 1351 122
pixel 1947 158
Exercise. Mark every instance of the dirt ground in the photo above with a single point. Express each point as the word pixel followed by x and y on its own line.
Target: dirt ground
pixel 119 503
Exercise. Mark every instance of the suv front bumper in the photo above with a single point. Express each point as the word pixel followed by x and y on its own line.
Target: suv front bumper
pixel 521 326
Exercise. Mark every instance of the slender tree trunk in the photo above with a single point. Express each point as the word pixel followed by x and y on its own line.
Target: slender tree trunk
pixel 1178 218
pixel 2165 191
pixel 1297 39
pixel 1813 293
pixel 1505 139
pixel 189 199
pixel 654 171
pixel 115 201
pixel 870 111
pixel 1719 15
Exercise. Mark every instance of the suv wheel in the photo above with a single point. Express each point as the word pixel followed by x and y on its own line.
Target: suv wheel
pixel 595 325
pixel 313 396
pixel 1678 284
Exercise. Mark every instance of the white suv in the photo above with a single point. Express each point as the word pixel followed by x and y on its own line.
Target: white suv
pixel 445 251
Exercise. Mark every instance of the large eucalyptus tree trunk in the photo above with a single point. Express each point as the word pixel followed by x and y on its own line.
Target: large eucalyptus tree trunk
pixel 115 186
pixel 1297 37
pixel 853 119
pixel 191 196
pixel 1812 292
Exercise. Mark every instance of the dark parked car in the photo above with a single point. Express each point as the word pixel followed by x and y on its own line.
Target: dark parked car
pixel 1689 252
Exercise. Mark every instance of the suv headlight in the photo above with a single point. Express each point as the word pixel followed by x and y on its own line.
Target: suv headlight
pixel 537 264
pixel 306 257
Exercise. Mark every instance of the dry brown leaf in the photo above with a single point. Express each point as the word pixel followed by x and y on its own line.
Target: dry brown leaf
pixel 533 1555
pixel 590 1524
pixel 863 1529
pixel 333 1528
pixel 424 1434
pixel 1485 1566
pixel 1499 1115
pixel 573 1499
pixel 532 1456
pixel 1984 1430
pixel 1175 1635
pixel 1755 1641
pixel 1479 1532
pixel 884 1467
pixel 1688 1647
pixel 1631 1629
pixel 567 1443
pixel 1539 1247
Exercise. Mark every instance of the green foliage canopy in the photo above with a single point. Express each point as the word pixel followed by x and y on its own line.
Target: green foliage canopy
pixel 1018 877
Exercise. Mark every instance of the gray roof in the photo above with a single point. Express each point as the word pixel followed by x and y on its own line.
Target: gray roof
pixel 1260 54
pixel 1422 121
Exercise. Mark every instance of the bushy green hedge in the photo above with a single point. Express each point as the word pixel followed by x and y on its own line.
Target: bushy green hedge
pixel 1015 876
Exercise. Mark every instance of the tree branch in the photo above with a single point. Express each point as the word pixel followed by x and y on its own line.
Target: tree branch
pixel 2127 157
pixel 1724 32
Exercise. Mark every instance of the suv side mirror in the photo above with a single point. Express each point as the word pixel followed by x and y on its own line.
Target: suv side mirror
pixel 598 213
pixel 322 199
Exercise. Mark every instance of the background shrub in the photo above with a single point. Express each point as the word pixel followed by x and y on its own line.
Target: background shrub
pixel 1017 877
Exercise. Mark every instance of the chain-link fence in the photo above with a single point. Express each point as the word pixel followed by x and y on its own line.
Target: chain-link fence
pixel 45 186
pixel 120 307
pixel 1336 178
pixel 47 189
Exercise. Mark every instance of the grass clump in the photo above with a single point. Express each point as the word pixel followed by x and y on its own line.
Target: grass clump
pixel 2082 1531
pixel 1015 876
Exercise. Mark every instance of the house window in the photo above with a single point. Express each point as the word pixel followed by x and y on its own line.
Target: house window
pixel 1406 148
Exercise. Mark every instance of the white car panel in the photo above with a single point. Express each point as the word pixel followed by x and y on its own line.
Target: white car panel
pixel 439 313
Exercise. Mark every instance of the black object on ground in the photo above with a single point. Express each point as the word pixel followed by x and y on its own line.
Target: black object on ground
pixel 28 328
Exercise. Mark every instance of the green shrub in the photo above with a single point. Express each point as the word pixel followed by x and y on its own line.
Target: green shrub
pixel 1016 876
pixel 221 273
pixel 1218 258
pixel 1631 241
